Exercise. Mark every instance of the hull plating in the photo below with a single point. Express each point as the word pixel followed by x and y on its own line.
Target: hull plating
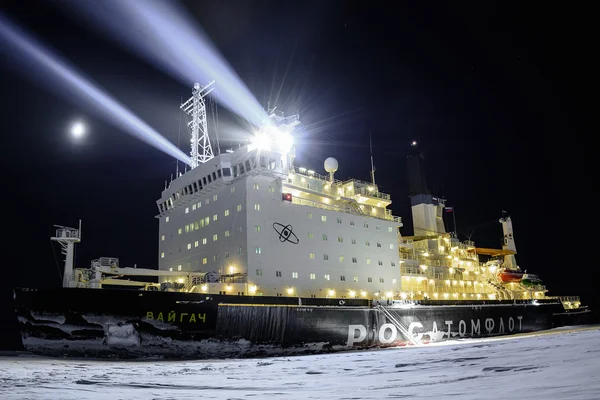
pixel 132 323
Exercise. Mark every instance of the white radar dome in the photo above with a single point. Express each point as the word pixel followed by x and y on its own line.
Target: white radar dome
pixel 331 164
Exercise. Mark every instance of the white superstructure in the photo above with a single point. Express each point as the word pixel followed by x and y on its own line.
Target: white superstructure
pixel 261 226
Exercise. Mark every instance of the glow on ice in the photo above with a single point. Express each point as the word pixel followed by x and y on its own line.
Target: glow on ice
pixel 49 70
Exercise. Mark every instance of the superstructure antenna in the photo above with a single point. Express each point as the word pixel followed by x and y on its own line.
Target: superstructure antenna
pixel 195 107
pixel 178 138
pixel 372 166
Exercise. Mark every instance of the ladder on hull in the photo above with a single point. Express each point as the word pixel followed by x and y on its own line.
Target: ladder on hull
pixel 398 324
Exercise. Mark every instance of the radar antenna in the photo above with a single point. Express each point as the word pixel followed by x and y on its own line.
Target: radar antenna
pixel 196 108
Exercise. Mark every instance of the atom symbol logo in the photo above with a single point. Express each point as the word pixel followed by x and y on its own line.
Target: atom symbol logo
pixel 285 233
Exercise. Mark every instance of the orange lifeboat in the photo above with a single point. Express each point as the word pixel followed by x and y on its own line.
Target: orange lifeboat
pixel 508 276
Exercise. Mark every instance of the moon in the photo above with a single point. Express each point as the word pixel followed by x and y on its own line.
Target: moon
pixel 77 130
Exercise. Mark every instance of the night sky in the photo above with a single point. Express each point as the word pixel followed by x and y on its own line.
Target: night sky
pixel 496 94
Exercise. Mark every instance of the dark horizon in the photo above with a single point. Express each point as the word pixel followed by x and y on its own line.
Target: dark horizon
pixel 495 95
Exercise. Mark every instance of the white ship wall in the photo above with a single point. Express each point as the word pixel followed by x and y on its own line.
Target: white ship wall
pixel 279 254
pixel 270 261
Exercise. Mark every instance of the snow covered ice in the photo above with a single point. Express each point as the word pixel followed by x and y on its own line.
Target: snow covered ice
pixel 563 365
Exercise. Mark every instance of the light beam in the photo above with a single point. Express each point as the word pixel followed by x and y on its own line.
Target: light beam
pixel 160 32
pixel 46 68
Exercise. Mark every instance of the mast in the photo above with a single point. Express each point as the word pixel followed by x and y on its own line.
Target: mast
pixel 195 107
pixel 67 237
pixel 372 166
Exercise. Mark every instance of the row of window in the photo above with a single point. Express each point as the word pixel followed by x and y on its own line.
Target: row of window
pixel 341 258
pixel 215 257
pixel 327 277
pixel 339 221
pixel 256 186
pixel 192 188
pixel 257 228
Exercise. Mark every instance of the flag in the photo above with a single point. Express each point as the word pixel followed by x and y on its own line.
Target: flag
pixel 448 209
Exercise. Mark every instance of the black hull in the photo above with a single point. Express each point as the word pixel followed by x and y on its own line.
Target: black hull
pixel 134 323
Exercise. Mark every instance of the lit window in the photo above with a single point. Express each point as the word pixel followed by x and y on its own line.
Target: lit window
pixel 189 246
pixel 199 204
pixel 313 276
pixel 258 250
pixel 309 215
pixel 355 279
pixel 179 231
pixel 187 229
pixel 187 210
pixel 339 220
pixel 171 269
pixel 354 260
pixel 377 228
pixel 370 280
pixel 295 275
pixel 324 237
pixel 311 256
pixel 215 237
pixel 327 277
pixel 366 225
pixel 202 223
pixel 226 213
pixel 204 260
pixel 310 235
pixel 162 237
pixel 340 239
pixel 394 280
pixel 323 218
pixel 215 197
pixel 196 243
pixel 203 240
pixel 167 219
pixel 368 261
pixel 196 225
pixel 379 262
pixel 226 233
pixel 257 228
pixel 257 207
pixel 391 246
pixel 206 221
pixel 191 227
pixel 215 217
pixel 256 186
pixel 271 189
pixel 341 258
pixel 179 267
pixel 193 207
pixel 278 273
pixel 343 278
pixel 325 257
pixel 351 223
pixel 162 255
pixel 239 207
pixel 259 272
pixel 233 189
pixel 367 243
pixel 390 229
